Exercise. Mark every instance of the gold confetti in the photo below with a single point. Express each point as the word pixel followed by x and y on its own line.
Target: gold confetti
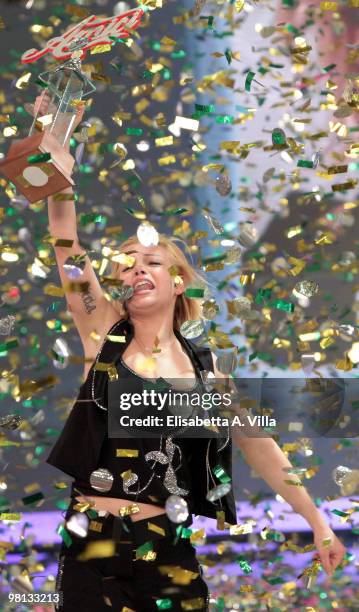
pixel 128 510
pixel 100 49
pixel 127 452
pixel 95 526
pixel 192 604
pixel 102 366
pixel 97 550
pixel 166 160
pixel 295 483
pixel 156 528
pixel 23 81
pixel 53 290
pixel 164 141
pixel 10 516
pixel 329 6
pixel 112 338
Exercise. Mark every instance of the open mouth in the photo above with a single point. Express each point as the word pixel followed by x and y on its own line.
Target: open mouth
pixel 143 286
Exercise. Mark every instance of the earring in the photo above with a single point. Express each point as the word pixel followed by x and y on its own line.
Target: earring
pixel 178 280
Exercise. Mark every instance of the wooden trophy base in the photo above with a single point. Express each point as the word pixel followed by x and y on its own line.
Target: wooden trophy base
pixel 39 179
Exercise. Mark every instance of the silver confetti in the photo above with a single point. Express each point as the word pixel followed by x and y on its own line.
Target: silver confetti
pixel 210 309
pixel 207 376
pixel 347 258
pixel 215 225
pixel 241 307
pixel 74 266
pixel 147 234
pixel 340 473
pixel 7 325
pixel 233 255
pixel 316 159
pixel 227 362
pixel 218 492
pixel 247 235
pixel 192 329
pixel 268 175
pixel 101 480
pixel 176 508
pixel 347 479
pixel 120 7
pixel 11 421
pixel 128 482
pixel 306 288
pixel 78 524
pixel 122 293
pixel 61 354
pixel 223 185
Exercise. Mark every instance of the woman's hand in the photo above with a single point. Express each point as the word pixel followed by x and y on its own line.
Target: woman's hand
pixel 331 550
pixel 43 106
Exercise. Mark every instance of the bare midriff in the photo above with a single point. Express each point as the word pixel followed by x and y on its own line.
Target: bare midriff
pixel 113 505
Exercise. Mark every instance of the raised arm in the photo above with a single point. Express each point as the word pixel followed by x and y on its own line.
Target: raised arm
pixel 85 298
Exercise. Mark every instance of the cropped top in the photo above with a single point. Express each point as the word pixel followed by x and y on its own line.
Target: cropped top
pixel 146 470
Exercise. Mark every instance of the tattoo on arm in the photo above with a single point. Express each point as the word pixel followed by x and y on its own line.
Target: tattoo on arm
pixel 89 301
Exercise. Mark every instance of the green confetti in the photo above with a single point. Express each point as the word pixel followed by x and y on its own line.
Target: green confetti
pixel 205 109
pixel 85 219
pixel 279 139
pixel 228 55
pixel 210 20
pixel 278 580
pixel 164 604
pixel 339 513
pixel 116 40
pixel 220 605
pixel 262 295
pixel 144 549
pixel 224 119
pixel 303 163
pixel 178 54
pixel 134 131
pixel 41 83
pixel 41 157
pixel 67 539
pixel 244 565
pixel 194 292
pixel 31 499
pixel 174 211
pixel 329 68
pixel 221 474
pixel 292 29
pixel 249 78
pixel 5 346
pixel 215 258
pixel 282 305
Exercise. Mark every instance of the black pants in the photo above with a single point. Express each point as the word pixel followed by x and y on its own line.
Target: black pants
pixel 129 583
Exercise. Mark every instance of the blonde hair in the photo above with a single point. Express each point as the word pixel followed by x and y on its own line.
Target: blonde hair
pixel 185 308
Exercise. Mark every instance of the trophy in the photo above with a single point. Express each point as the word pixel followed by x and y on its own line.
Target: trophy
pixel 39 165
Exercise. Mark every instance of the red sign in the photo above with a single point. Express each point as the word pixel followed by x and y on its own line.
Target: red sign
pixel 97 31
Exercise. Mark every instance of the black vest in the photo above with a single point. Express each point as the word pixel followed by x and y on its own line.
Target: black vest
pixel 78 447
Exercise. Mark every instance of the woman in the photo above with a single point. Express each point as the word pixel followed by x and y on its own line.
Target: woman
pixel 128 547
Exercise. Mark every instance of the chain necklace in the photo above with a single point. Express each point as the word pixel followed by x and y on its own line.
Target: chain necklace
pixel 148 350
